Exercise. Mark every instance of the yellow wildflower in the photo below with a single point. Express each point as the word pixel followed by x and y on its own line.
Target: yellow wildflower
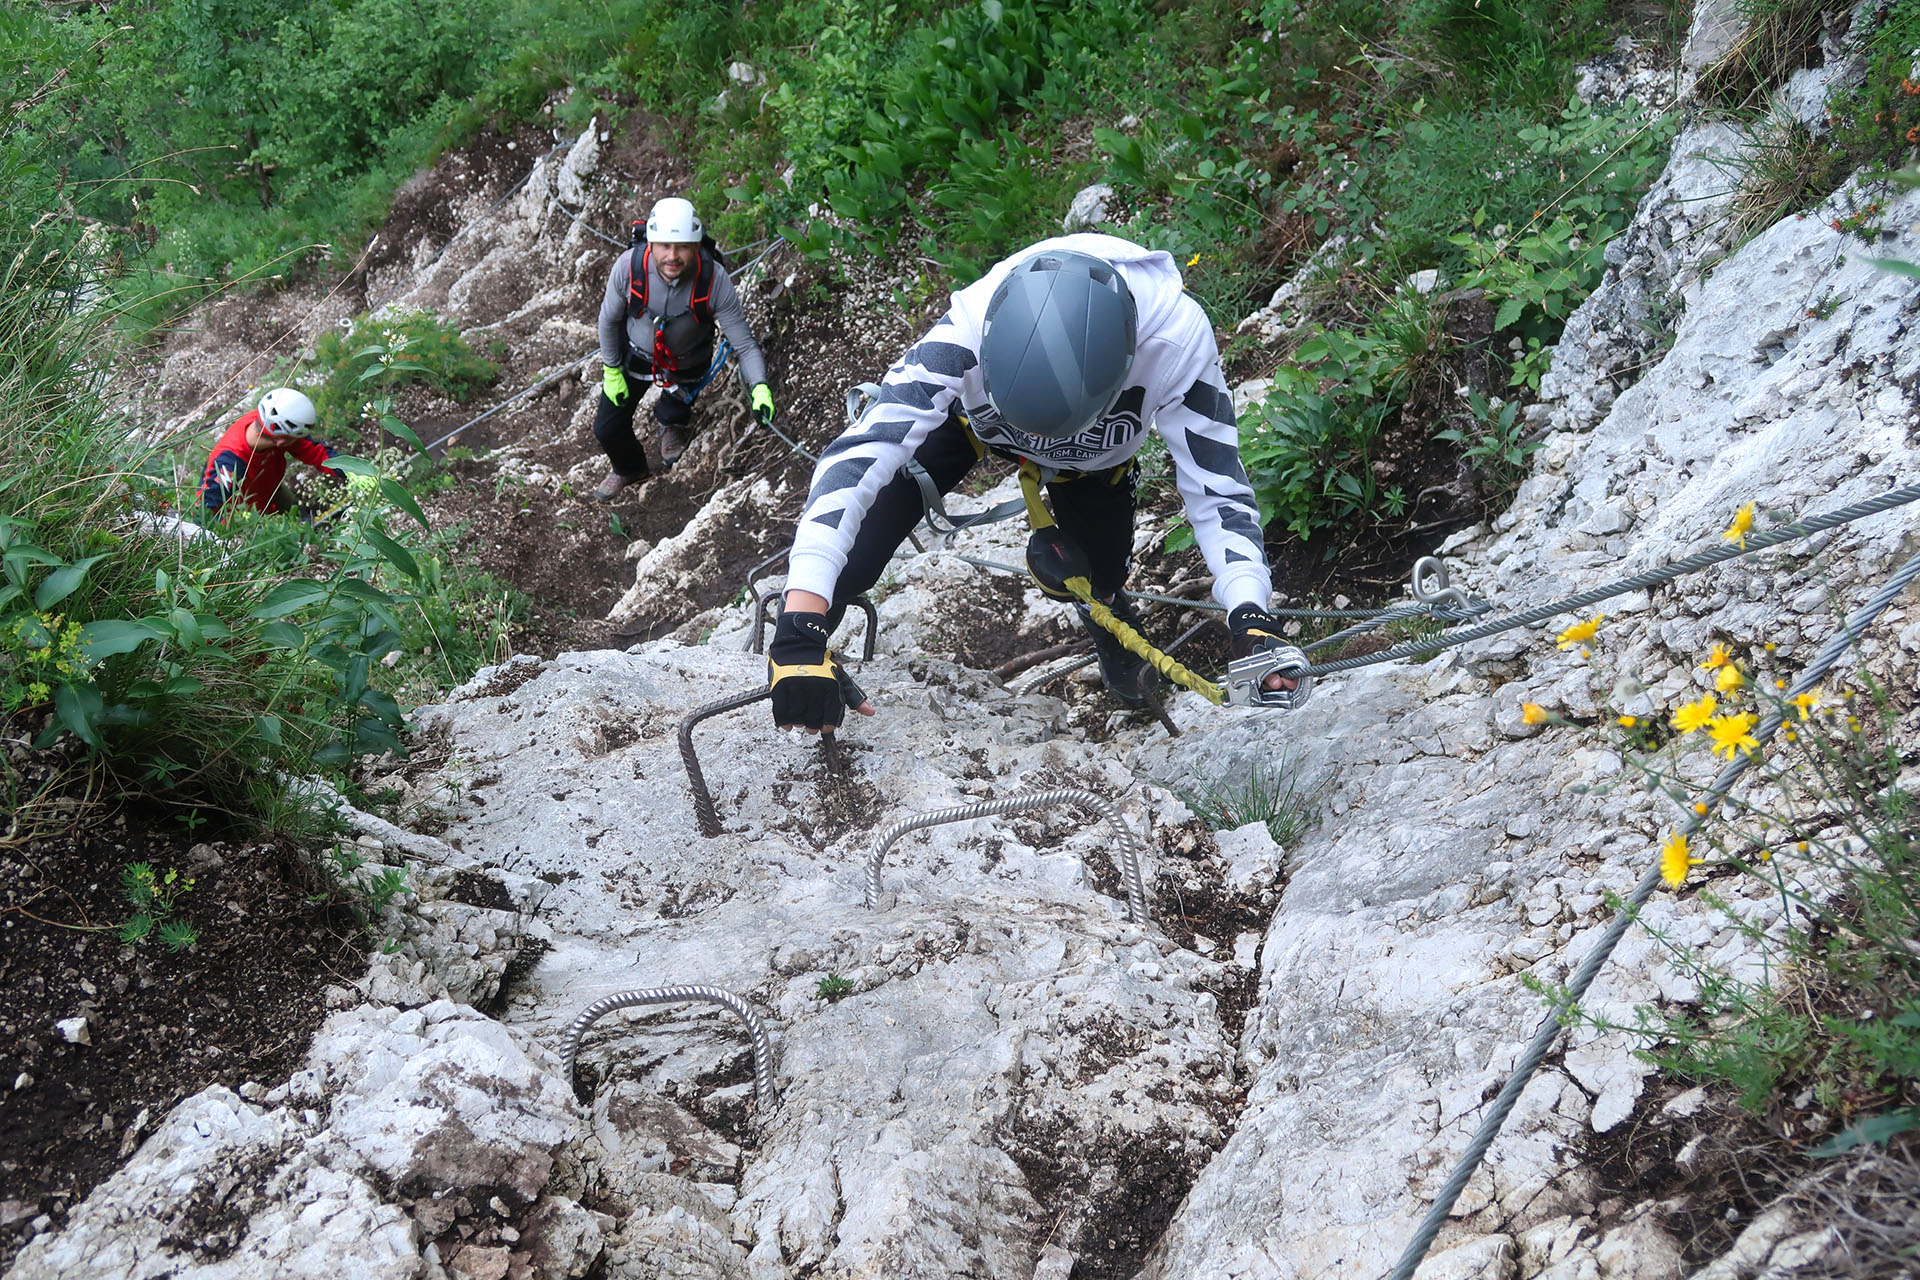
pixel 1674 861
pixel 1728 679
pixel 1629 721
pixel 1742 525
pixel 1695 715
pixel 1717 656
pixel 1808 703
pixel 1581 632
pixel 1532 713
pixel 1195 258
pixel 1730 734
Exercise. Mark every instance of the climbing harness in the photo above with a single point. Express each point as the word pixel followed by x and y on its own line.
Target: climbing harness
pixel 1549 1030
pixel 1019 803
pixel 763 1086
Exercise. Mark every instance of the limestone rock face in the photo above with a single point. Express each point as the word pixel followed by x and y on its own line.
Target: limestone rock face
pixel 993 1072
pixel 1457 855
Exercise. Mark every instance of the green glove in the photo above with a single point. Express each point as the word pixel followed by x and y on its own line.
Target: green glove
pixel 763 401
pixel 613 381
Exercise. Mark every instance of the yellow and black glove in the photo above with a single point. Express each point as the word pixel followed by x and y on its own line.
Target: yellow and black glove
pixel 809 687
pixel 762 400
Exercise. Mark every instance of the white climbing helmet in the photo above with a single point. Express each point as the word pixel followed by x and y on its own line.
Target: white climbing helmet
pixel 673 221
pixel 286 412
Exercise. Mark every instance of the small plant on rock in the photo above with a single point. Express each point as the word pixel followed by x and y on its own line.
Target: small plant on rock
pixel 155 898
pixel 833 988
pixel 1272 792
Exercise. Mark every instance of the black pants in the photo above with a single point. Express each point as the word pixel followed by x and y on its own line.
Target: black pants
pixel 613 424
pixel 1094 508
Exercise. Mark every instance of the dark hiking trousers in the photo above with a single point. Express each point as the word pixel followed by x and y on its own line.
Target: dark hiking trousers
pixel 1094 508
pixel 673 407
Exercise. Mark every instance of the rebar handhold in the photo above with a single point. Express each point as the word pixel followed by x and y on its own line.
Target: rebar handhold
pixel 762 1051
pixel 1129 843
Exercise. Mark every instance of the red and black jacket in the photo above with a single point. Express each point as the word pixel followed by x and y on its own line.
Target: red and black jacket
pixel 235 469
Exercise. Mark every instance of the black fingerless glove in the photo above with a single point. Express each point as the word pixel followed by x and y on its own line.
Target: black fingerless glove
pixel 807 690
pixel 1253 629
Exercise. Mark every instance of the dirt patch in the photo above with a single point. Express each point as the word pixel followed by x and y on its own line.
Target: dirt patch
pixel 240 1005
pixel 1108 1201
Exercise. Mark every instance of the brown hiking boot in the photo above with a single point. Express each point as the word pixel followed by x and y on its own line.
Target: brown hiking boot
pixel 615 482
pixel 673 443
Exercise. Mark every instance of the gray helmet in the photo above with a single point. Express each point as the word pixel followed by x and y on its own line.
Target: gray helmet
pixel 1057 343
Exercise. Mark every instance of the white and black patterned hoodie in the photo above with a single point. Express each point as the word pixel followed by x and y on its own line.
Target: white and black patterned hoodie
pixel 1175 385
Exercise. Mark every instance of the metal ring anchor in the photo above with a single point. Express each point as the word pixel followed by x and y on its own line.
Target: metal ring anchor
pixel 762 1051
pixel 1129 843
pixel 1430 585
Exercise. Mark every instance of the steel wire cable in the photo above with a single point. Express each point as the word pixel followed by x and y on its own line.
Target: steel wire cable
pixel 762 1051
pixel 1549 1029
pixel 1130 845
pixel 1639 581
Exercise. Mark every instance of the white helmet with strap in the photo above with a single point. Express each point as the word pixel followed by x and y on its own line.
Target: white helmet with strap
pixel 673 221
pixel 286 412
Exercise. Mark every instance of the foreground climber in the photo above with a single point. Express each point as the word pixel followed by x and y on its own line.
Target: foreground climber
pixel 249 460
pixel 1062 355
pixel 657 325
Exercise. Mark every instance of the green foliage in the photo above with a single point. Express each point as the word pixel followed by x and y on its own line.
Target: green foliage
pixel 154 900
pixel 1271 792
pixel 191 661
pixel 1496 443
pixel 1824 828
pixel 379 355
pixel 1539 272
pixel 833 988
pixel 1308 446
pixel 366 889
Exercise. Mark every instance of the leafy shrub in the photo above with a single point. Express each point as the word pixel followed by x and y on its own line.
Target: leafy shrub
pixel 381 354
pixel 1539 272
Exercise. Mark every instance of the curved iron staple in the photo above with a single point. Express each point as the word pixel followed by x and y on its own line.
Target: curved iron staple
pixel 1129 843
pixel 764 568
pixel 762 1052
pixel 703 809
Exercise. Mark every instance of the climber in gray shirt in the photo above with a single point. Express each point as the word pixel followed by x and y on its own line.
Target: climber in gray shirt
pixel 657 324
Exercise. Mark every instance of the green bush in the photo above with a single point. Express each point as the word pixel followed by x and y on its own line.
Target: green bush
pixel 382 354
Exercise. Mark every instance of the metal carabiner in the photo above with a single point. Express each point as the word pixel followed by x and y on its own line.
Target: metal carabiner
pixel 1247 679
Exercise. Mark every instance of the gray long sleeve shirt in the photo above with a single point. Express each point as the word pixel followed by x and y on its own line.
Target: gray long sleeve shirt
pixel 620 333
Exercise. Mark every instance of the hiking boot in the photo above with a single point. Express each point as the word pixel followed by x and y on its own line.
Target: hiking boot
pixel 1128 676
pixel 615 482
pixel 673 442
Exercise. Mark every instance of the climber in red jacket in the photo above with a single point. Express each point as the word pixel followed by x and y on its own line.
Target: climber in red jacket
pixel 250 458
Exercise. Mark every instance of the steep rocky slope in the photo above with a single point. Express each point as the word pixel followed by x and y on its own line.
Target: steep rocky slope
pixel 996 1073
